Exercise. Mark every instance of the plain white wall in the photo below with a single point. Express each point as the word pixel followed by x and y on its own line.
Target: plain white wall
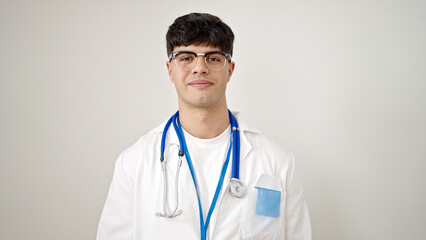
pixel 340 83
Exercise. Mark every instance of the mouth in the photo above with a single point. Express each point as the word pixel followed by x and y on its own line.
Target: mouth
pixel 200 83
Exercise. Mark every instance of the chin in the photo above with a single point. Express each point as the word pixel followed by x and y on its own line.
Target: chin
pixel 202 102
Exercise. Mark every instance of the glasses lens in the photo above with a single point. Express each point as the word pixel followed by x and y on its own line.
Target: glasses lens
pixel 185 61
pixel 215 61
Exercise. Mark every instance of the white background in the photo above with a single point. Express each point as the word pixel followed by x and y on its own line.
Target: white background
pixel 342 84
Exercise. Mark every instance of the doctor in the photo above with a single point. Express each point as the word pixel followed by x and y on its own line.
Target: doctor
pixel 177 181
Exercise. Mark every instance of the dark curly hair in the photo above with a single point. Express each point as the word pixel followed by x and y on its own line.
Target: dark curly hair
pixel 197 29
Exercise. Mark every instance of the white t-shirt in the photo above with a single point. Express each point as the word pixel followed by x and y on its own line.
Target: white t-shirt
pixel 208 157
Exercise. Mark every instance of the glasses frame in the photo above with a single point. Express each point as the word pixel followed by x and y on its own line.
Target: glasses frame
pixel 173 55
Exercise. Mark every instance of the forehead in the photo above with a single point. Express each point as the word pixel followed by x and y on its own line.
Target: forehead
pixel 196 48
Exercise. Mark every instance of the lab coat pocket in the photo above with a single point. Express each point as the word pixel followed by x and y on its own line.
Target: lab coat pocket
pixel 268 202
pixel 264 209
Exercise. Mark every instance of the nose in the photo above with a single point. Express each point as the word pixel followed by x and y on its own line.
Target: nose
pixel 200 66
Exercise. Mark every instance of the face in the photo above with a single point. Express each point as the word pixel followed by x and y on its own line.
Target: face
pixel 200 87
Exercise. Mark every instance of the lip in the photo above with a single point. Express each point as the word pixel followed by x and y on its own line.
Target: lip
pixel 200 83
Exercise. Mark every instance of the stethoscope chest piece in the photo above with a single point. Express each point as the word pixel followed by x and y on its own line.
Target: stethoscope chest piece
pixel 237 188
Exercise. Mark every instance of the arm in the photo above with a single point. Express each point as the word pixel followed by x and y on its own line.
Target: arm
pixel 116 222
pixel 297 221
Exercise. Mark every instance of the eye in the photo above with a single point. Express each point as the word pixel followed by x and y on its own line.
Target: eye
pixel 215 58
pixel 185 57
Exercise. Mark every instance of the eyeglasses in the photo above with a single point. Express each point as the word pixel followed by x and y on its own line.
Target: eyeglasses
pixel 186 60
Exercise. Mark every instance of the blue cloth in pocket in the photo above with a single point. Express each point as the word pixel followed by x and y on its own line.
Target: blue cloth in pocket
pixel 268 202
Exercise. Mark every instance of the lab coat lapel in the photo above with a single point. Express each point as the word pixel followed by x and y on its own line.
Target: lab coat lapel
pixel 245 146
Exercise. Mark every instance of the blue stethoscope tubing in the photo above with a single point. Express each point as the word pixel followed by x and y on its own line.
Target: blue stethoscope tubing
pixel 236 187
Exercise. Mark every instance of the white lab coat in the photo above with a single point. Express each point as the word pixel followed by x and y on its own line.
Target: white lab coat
pixel 136 194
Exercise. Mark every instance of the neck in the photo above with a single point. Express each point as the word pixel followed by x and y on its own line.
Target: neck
pixel 204 123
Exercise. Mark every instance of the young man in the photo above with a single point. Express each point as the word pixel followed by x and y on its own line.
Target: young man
pixel 206 173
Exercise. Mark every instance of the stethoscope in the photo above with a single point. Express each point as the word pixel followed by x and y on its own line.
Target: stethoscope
pixel 236 187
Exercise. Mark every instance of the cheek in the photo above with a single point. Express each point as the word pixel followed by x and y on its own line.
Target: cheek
pixel 174 76
pixel 177 78
pixel 226 76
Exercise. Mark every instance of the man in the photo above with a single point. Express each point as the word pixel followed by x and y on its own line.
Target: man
pixel 175 182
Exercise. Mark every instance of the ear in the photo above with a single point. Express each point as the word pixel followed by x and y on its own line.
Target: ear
pixel 169 70
pixel 230 70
